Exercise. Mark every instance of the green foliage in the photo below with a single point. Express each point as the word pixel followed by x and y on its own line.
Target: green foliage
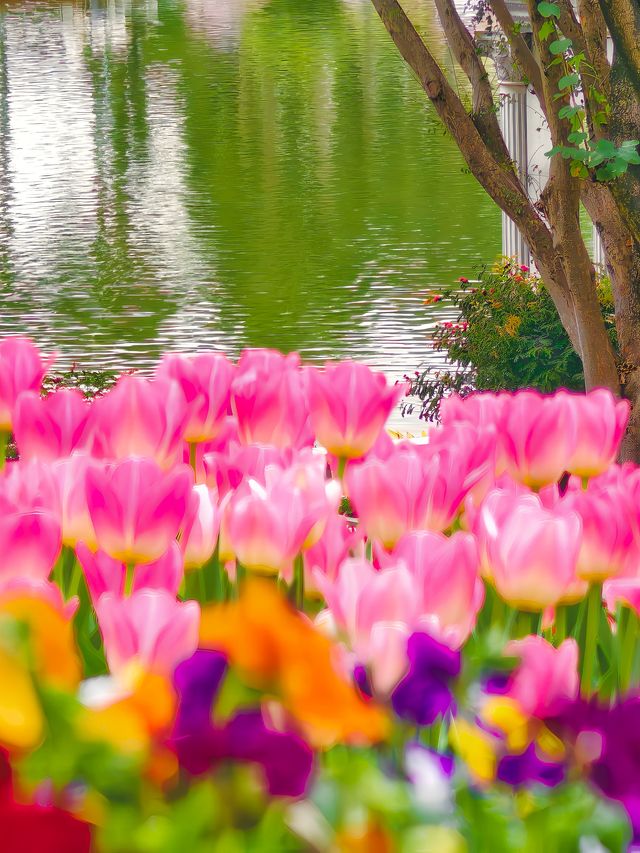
pixel 91 382
pixel 507 336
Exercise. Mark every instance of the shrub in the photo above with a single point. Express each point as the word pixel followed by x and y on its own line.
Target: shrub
pixel 507 335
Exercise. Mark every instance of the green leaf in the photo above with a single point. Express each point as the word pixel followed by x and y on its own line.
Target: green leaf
pixel 560 46
pixel 569 112
pixel 606 147
pixel 568 81
pixel 548 10
pixel 597 96
pixel 546 30
pixel 557 149
pixel 576 61
pixel 628 151
pixel 578 136
pixel 579 170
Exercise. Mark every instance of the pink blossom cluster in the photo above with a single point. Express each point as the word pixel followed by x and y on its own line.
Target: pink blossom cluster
pixel 247 464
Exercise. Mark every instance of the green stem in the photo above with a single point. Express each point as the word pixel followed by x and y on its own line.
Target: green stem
pixel 75 576
pixel 241 574
pixel 593 605
pixel 497 609
pixel 342 463
pixel 628 629
pixel 202 586
pixel 128 579
pixel 528 623
pixel 298 582
pixel 193 452
pixel 213 577
pixel 561 624
pixel 4 441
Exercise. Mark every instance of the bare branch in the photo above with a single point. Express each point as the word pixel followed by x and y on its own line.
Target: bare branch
pixel 595 33
pixel 484 113
pixel 502 185
pixel 570 26
pixel 520 49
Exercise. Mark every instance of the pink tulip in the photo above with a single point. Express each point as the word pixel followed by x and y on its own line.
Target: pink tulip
pixel 205 381
pixel 267 525
pixel 414 488
pixel 149 629
pixel 480 409
pixel 136 508
pixel 140 418
pixel 224 470
pixel 269 399
pixel 607 535
pixel 21 369
pixel 29 544
pixel 267 360
pixel 503 488
pixel 538 437
pixel 27 486
pixel 599 423
pixel 51 427
pixel 349 406
pixel 375 610
pixel 546 678
pixel 200 528
pixel 390 496
pixel 532 552
pixel 320 497
pixel 338 541
pixel 475 450
pixel 624 591
pixel 103 574
pixel 70 477
pixel 24 587
pixel 446 580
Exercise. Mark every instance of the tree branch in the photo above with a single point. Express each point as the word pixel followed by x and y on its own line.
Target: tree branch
pixel 594 28
pixel 484 114
pixel 501 185
pixel 623 20
pixel 521 52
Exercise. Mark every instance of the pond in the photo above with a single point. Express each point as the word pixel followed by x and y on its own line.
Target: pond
pixel 190 174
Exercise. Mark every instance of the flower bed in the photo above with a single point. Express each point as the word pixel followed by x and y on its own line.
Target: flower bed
pixel 198 651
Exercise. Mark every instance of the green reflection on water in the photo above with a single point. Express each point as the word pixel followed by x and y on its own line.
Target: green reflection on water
pixel 271 178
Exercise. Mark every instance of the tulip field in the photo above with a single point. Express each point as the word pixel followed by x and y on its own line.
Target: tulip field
pixel 236 615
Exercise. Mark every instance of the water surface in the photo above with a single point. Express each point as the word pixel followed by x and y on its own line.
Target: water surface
pixel 190 174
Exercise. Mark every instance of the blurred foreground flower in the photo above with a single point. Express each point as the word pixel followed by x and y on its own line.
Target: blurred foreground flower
pixel 275 647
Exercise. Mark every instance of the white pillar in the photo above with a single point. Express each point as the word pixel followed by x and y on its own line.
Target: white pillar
pixel 597 251
pixel 513 121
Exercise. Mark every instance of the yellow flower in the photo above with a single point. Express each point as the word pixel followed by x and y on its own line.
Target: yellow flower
pixel 21 721
pixel 504 714
pixel 512 324
pixel 550 744
pixel 55 658
pixel 476 748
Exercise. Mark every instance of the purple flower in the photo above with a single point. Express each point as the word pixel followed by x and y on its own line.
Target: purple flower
pixel 518 770
pixel 362 680
pixel 200 743
pixel 607 741
pixel 424 694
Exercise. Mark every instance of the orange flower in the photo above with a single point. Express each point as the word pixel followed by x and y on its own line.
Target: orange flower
pixel 278 650
pixel 55 658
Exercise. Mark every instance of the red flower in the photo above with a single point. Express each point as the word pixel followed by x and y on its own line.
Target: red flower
pixel 463 280
pixel 31 828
